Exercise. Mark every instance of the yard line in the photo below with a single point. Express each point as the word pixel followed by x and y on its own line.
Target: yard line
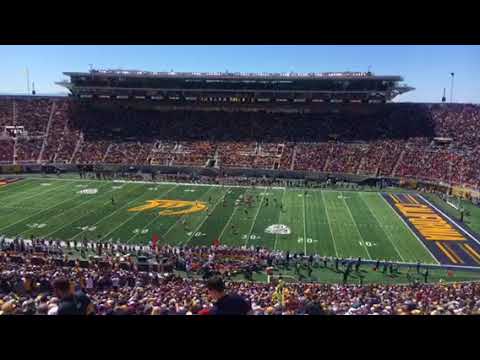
pixel 380 224
pixel 356 226
pixel 113 212
pixel 304 227
pixel 28 184
pixel 138 213
pixel 328 222
pixel 255 218
pixel 182 216
pixel 279 215
pixel 83 202
pixel 28 217
pixel 230 219
pixel 19 185
pixel 37 194
pixel 79 204
pixel 206 217
pixel 409 228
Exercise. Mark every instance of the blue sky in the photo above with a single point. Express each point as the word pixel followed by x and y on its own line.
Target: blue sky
pixel 426 68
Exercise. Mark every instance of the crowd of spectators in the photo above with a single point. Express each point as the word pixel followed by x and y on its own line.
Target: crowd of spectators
pixel 6 151
pixel 31 287
pixel 388 140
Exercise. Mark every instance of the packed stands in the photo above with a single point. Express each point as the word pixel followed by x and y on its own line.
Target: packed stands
pixel 115 286
pixel 394 140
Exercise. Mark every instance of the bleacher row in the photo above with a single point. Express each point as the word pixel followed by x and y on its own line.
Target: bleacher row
pixel 374 147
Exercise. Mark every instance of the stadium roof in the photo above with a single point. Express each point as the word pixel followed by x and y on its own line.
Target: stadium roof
pixel 239 75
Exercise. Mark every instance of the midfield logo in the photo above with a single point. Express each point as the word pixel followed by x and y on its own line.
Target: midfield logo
pixel 173 207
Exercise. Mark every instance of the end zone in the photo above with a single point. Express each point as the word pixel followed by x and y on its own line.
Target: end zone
pixel 447 241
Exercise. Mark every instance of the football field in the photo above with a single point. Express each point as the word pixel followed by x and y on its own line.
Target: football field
pixel 327 222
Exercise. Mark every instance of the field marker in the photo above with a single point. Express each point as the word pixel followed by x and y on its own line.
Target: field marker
pixel 202 222
pixel 279 216
pixel 328 222
pixel 409 228
pixel 21 184
pixel 136 214
pixel 382 226
pixel 230 219
pixel 181 217
pixel 79 204
pixel 28 217
pixel 255 219
pixel 113 212
pixel 27 183
pixel 37 194
pixel 356 226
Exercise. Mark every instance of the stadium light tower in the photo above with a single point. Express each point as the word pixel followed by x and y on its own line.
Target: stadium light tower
pixel 28 81
pixel 451 87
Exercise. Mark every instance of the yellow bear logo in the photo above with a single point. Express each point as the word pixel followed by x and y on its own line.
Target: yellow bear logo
pixel 173 207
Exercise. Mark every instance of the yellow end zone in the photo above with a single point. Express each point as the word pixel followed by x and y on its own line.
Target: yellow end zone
pixel 431 225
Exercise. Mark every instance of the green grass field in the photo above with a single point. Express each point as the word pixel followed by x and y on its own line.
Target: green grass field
pixel 327 222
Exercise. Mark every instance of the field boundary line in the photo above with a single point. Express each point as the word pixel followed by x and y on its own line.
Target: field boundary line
pixel 255 219
pixel 107 216
pixel 80 204
pixel 328 222
pixel 356 226
pixel 382 227
pixel 451 220
pixel 409 228
pixel 230 219
pixel 203 221
pixel 135 215
pixel 29 216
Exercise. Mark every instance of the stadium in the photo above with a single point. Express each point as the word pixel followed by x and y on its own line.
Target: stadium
pixel 305 193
